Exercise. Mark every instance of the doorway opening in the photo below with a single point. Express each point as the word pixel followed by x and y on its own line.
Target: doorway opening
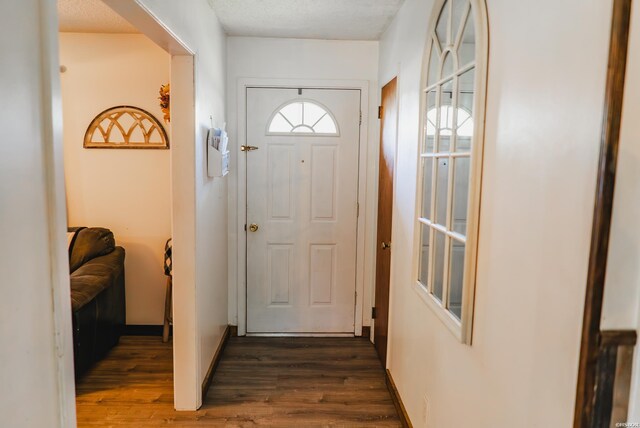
pixel 118 186
pixel 111 84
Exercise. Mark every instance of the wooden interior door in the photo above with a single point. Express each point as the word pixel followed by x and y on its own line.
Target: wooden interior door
pixel 388 126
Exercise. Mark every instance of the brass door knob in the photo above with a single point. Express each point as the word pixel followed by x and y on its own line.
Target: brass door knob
pixel 385 245
pixel 254 227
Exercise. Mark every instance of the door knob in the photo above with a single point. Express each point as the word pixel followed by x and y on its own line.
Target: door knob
pixel 385 245
pixel 254 227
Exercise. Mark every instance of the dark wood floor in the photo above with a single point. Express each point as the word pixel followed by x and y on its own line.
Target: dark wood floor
pixel 279 382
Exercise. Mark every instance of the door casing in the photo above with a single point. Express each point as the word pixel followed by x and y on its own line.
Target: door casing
pixel 363 218
pixel 300 235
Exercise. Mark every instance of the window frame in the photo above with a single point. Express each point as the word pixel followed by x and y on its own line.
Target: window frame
pixel 462 329
pixel 305 134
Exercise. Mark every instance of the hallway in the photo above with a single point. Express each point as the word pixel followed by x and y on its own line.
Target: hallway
pixel 260 381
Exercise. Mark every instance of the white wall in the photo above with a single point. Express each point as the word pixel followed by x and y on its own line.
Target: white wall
pixel 544 109
pixel 266 58
pixel 203 302
pixel 622 291
pixel 127 191
pixel 36 355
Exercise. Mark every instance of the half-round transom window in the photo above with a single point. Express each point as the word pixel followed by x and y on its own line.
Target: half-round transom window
pixel 302 117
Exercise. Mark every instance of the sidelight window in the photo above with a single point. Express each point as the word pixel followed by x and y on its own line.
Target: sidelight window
pixel 450 161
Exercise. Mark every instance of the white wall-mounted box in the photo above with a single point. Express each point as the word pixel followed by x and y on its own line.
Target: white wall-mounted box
pixel 217 153
pixel 218 162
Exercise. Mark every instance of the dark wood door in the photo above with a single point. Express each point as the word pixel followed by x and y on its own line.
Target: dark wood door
pixel 388 125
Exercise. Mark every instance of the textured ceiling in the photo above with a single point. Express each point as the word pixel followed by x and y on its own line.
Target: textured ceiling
pixel 307 19
pixel 90 16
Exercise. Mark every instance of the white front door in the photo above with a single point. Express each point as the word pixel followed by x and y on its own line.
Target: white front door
pixel 302 193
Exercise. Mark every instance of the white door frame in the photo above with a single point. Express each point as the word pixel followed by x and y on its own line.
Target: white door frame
pixel 242 86
pixel 186 346
pixel 187 388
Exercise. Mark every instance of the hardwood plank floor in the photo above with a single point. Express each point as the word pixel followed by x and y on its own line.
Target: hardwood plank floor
pixel 279 382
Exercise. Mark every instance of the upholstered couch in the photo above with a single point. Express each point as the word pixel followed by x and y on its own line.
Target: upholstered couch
pixel 96 265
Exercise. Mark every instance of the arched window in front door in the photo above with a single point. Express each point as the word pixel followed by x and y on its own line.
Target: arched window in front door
pixel 302 117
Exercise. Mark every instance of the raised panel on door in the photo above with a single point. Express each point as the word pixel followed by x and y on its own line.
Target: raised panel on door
pixel 302 194
pixel 323 182
pixel 280 181
pixel 322 273
pixel 279 273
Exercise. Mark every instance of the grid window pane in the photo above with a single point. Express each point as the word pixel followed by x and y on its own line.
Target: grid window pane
pixel 456 277
pixel 467 51
pixel 445 120
pixel 442 179
pixel 464 121
pixel 442 26
pixel 434 65
pixel 460 194
pixel 423 275
pixel 427 178
pixel 326 125
pixel 279 124
pixel 458 10
pixel 447 66
pixel 312 113
pixel 438 265
pixel 430 122
pixel 293 112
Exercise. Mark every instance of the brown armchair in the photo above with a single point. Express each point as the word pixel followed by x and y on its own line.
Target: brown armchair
pixel 97 294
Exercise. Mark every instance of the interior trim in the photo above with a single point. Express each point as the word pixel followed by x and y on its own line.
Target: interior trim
pixel 233 330
pixel 613 377
pixel 206 383
pixel 397 401
pixel 602 211
pixel 618 338
pixel 366 331
pixel 248 334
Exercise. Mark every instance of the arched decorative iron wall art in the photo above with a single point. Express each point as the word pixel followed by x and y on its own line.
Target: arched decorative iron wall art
pixel 125 127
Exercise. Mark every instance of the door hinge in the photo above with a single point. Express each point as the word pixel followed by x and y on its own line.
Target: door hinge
pixel 357 209
pixel 373 313
pixel 360 117
pixel 379 112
